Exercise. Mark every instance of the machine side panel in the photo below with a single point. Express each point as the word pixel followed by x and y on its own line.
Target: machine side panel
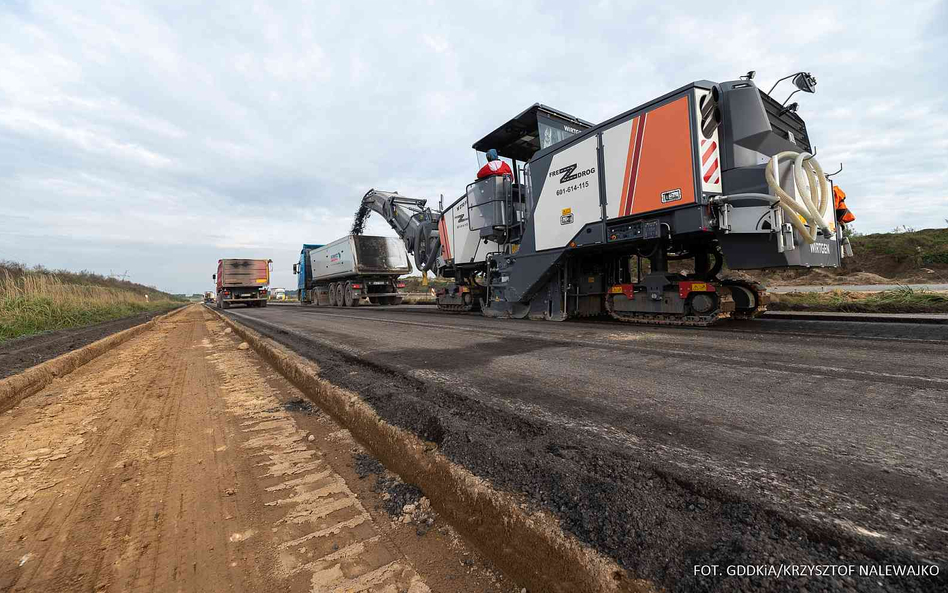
pixel 665 163
pixel 464 245
pixel 569 197
pixel 658 169
pixel 617 153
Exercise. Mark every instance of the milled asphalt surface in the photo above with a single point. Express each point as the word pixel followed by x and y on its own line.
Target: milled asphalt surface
pixel 764 442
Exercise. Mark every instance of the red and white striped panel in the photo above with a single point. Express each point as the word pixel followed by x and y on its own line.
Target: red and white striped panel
pixel 710 163
pixel 708 151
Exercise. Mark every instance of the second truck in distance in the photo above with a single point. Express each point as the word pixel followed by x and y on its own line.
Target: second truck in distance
pixel 349 269
pixel 243 281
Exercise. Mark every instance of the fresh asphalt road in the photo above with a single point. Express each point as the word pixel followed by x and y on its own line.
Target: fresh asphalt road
pixel 843 425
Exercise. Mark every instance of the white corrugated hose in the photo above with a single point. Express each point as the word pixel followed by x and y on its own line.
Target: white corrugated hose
pixel 812 210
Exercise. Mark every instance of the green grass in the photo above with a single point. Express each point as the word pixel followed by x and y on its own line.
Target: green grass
pixel 919 248
pixel 24 316
pixel 903 300
pixel 33 301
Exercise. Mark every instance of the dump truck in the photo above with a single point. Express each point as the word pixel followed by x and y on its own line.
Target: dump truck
pixel 709 174
pixel 208 297
pixel 242 281
pixel 350 269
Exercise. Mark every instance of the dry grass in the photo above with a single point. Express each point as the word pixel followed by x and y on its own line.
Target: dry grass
pixel 419 298
pixel 34 302
pixel 902 300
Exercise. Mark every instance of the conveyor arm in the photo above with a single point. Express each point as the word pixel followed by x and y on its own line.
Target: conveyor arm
pixel 415 223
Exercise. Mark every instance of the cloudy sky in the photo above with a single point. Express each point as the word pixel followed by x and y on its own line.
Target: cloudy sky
pixel 157 137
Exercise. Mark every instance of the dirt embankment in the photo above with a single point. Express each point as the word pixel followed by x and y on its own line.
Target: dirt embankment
pixel 22 353
pixel 911 257
pixel 915 257
pixel 180 461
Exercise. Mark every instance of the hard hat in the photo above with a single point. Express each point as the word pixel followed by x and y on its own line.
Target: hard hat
pixel 492 154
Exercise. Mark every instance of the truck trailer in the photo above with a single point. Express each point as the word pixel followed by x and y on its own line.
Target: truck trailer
pixel 244 281
pixel 712 173
pixel 342 273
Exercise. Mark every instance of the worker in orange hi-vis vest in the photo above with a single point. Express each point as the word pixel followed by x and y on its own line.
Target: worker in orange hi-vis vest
pixel 843 214
pixel 844 217
pixel 494 166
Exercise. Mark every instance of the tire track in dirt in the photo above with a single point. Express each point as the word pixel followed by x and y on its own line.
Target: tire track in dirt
pixel 324 533
pixel 65 563
pixel 170 463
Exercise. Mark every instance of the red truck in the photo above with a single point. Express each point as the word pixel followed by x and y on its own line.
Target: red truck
pixel 244 281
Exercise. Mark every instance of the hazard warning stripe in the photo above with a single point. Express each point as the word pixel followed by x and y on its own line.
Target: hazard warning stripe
pixel 707 154
pixel 709 162
pixel 711 170
pixel 633 175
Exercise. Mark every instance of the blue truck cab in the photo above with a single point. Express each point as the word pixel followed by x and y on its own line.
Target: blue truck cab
pixel 304 272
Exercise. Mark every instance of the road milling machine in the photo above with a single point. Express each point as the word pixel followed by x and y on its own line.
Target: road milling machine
pixel 708 175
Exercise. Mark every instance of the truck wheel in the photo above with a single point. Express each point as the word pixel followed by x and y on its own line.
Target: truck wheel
pixel 332 295
pixel 263 303
pixel 353 298
pixel 225 305
pixel 345 294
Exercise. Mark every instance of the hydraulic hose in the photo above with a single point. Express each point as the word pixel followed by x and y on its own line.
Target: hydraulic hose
pixel 808 214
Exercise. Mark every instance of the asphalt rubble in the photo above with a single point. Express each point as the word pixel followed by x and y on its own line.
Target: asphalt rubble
pixel 659 523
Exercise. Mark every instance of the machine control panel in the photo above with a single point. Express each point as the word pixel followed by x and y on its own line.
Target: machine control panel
pixel 626 232
pixel 630 231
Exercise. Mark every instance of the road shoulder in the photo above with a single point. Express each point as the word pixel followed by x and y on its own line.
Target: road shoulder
pixel 22 353
pixel 180 461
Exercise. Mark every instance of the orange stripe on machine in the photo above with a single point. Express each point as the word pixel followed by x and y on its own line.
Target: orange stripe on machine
pixel 628 167
pixel 443 234
pixel 636 159
pixel 665 160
